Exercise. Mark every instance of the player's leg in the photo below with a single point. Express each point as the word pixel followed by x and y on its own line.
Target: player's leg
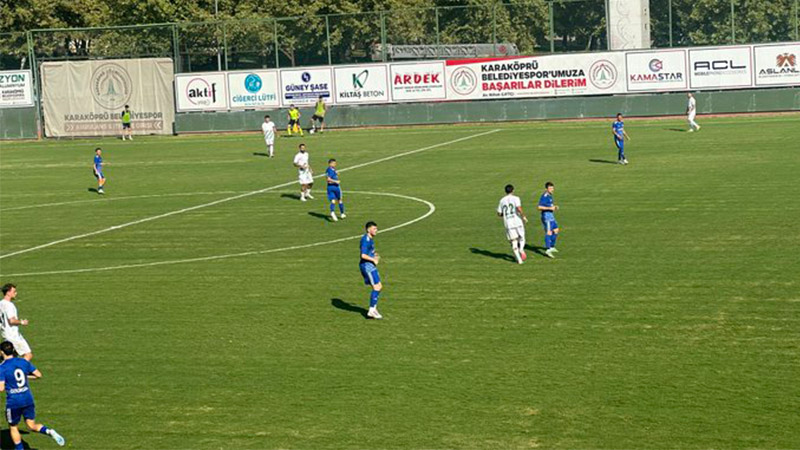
pixel 22 348
pixel 374 295
pixel 620 150
pixel 13 430
pixel 341 203
pixel 554 238
pixel 332 201
pixel 548 239
pixel 308 189
pixel 321 124
pixel 30 415
pixel 289 127
pixel 101 182
pixel 521 244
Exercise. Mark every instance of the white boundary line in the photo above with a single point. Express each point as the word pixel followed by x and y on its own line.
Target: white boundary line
pixel 431 210
pixel 237 197
pixel 112 199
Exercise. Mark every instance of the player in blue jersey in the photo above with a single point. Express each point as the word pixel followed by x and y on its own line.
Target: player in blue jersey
pixel 14 375
pixel 548 209
pixel 97 170
pixel 618 128
pixel 369 269
pixel 334 190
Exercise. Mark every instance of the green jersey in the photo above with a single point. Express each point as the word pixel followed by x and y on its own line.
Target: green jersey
pixel 126 116
pixel 320 109
pixel 294 114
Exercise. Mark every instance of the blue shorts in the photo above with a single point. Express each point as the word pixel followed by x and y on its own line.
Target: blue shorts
pixel 13 415
pixel 334 192
pixel 549 224
pixel 620 143
pixel 97 173
pixel 370 274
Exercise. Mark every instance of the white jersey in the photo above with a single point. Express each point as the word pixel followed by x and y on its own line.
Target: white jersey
pixel 301 160
pixel 8 310
pixel 269 131
pixel 508 209
pixel 691 106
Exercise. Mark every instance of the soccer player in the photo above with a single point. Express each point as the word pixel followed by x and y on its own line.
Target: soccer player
pixel 126 123
pixel 319 115
pixel 304 173
pixel 618 128
pixel 510 209
pixel 369 269
pixel 334 190
pixel 268 127
pixel 97 170
pixel 10 322
pixel 14 375
pixel 294 121
pixel 548 209
pixel 691 112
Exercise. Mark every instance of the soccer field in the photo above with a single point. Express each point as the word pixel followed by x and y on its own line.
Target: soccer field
pixel 200 304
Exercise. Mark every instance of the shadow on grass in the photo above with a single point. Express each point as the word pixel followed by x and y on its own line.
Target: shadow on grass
pixel 679 130
pixel 324 217
pixel 603 161
pixel 261 154
pixel 344 306
pixel 293 196
pixel 7 443
pixel 492 254
pixel 92 190
pixel 536 249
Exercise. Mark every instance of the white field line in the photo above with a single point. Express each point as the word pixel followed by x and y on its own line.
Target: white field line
pixel 431 210
pixel 112 199
pixel 237 197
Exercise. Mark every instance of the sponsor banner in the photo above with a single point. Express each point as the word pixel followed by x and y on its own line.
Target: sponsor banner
pixel 418 81
pixel 719 68
pixel 777 64
pixel 257 89
pixel 86 98
pixel 656 71
pixel 16 88
pixel 551 75
pixel 362 84
pixel 201 92
pixel 305 86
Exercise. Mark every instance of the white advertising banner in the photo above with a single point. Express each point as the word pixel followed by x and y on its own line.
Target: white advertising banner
pixel 550 75
pixel 16 88
pixel 201 92
pixel 256 89
pixel 418 81
pixel 777 64
pixel 305 86
pixel 663 70
pixel 719 68
pixel 362 84
pixel 86 98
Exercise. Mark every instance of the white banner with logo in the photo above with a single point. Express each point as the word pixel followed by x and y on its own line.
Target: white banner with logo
pixel 663 70
pixel 86 98
pixel 777 64
pixel 424 81
pixel 718 68
pixel 540 76
pixel 16 88
pixel 361 84
pixel 305 86
pixel 253 90
pixel 201 92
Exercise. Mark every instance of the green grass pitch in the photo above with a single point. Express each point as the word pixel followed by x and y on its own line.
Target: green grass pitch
pixel 670 319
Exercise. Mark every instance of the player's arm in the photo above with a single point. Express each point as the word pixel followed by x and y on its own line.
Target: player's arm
pixel 625 133
pixel 35 374
pixel 2 386
pixel 17 322
pixel 522 214
pixel 332 181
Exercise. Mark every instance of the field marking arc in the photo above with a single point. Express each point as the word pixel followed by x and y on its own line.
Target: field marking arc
pixel 237 197
pixel 431 210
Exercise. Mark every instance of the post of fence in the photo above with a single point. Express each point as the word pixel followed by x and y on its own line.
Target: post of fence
pixel 796 13
pixel 328 37
pixel 36 90
pixel 733 23
pixel 225 42
pixel 176 49
pixel 494 29
pixel 436 13
pixel 552 21
pixel 669 5
pixel 383 36
pixel 275 36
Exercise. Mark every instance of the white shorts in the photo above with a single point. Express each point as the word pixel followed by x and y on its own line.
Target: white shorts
pixel 305 177
pixel 20 345
pixel 515 233
pixel 691 116
pixel 270 141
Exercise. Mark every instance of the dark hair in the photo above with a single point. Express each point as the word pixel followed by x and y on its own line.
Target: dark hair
pixel 370 224
pixel 8 348
pixel 126 106
pixel 321 97
pixel 7 287
pixel 548 184
pixel 267 116
pixel 619 114
pixel 301 145
pixel 509 188
pixel 98 148
pixel 331 160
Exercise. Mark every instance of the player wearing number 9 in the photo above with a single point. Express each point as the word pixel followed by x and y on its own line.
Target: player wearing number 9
pixel 14 375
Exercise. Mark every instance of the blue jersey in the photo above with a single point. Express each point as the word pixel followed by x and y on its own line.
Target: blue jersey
pixel 367 248
pixel 14 373
pixel 98 162
pixel 333 175
pixel 546 200
pixel 617 126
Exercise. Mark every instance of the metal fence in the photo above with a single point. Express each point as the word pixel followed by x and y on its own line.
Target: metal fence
pixel 532 26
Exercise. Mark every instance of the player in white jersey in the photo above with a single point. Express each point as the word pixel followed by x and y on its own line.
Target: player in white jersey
pixel 304 173
pixel 691 112
pixel 268 128
pixel 9 322
pixel 510 209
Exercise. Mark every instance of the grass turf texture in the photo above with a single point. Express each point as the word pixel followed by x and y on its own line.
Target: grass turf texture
pixel 669 320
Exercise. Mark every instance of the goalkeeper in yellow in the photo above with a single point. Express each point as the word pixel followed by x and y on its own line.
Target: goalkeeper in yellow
pixel 294 121
pixel 319 116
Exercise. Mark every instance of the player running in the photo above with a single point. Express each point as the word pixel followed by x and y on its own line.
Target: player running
pixel 97 170
pixel 10 322
pixel 691 112
pixel 14 375
pixel 294 121
pixel 319 115
pixel 510 209
pixel 369 269
pixel 618 128
pixel 304 173
pixel 334 190
pixel 125 116
pixel 268 128
pixel 548 209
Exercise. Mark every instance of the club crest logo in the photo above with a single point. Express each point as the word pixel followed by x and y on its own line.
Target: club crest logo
pixel 603 74
pixel 111 86
pixel 464 81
